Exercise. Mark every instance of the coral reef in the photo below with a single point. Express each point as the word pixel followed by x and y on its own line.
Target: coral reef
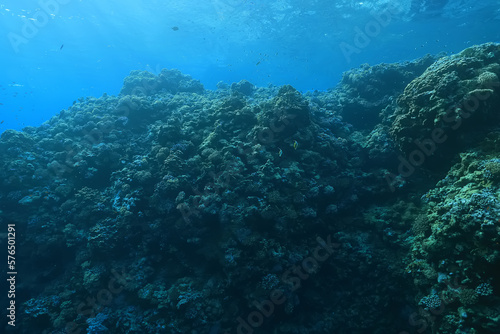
pixel 174 209
pixel 445 108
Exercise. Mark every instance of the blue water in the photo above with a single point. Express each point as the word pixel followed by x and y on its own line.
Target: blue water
pixel 55 51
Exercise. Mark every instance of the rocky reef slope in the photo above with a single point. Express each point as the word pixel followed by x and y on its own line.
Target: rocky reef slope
pixel 370 208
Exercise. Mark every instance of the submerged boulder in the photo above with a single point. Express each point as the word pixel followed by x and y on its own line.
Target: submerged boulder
pixel 450 103
pixel 365 91
pixel 168 81
pixel 244 87
pixel 286 113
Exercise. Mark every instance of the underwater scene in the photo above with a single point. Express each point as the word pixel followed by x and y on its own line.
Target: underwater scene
pixel 250 167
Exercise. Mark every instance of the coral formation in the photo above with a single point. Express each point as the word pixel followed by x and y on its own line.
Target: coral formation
pixel 450 102
pixel 174 209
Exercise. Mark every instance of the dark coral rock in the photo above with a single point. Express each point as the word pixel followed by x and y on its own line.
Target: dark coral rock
pixel 140 83
pixel 244 87
pixel 15 140
pixel 380 146
pixel 285 114
pixel 452 99
pixel 235 112
pixel 171 81
pixel 365 91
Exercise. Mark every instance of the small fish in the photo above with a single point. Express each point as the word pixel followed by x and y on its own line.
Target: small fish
pixel 295 144
pixel 175 28
pixel 2 122
pixel 257 63
pixel 280 152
